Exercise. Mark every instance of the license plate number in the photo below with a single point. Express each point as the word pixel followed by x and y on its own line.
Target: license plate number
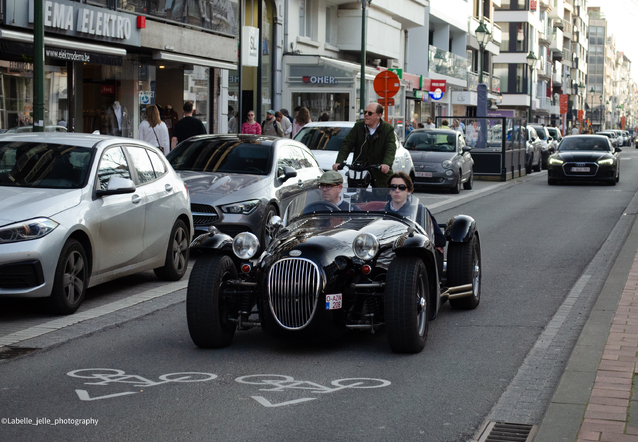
pixel 424 174
pixel 333 302
pixel 580 169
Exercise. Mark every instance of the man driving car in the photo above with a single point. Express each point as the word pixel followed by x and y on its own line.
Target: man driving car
pixel 330 186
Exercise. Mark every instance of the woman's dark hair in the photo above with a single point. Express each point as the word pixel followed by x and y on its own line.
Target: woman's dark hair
pixel 324 117
pixel 406 179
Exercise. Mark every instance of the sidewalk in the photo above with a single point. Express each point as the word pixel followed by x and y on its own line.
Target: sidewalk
pixel 595 400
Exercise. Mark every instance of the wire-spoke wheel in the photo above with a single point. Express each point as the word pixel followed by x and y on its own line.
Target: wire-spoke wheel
pixel 71 279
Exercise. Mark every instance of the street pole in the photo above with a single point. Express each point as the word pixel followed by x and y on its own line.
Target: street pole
pixel 362 89
pixel 38 66
pixel 531 62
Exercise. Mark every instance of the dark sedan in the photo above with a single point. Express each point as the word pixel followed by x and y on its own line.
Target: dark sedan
pixel 584 158
pixel 237 183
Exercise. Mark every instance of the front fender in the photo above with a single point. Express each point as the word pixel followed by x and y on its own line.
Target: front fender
pixel 206 242
pixel 460 228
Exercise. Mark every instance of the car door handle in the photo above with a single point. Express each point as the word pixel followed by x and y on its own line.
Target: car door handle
pixel 135 199
pixel 168 187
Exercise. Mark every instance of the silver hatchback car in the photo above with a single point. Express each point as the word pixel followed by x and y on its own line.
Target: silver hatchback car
pixel 78 210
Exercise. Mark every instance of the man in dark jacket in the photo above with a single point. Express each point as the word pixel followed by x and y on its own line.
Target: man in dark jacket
pixel 373 142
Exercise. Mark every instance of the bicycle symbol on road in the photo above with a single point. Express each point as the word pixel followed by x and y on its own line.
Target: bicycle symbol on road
pixel 106 376
pixel 282 383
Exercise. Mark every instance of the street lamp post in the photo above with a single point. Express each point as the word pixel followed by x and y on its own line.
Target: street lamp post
pixel 482 36
pixel 581 89
pixel 591 117
pixel 531 62
pixel 362 91
pixel 600 113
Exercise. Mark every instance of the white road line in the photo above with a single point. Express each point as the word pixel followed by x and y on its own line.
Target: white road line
pixel 57 324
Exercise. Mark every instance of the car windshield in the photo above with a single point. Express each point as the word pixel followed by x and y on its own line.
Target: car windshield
pixel 322 138
pixel 540 132
pixel 428 141
pixel 222 156
pixel 43 165
pixel 335 200
pixel 606 134
pixel 573 143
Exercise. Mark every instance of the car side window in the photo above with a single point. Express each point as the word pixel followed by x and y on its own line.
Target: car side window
pixel 142 164
pixel 310 160
pixel 158 164
pixel 287 157
pixel 113 163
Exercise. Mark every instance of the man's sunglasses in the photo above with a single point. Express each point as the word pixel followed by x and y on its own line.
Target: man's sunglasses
pixel 368 113
pixel 327 186
pixel 398 186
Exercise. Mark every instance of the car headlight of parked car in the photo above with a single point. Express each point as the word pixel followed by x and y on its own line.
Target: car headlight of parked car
pixel 245 245
pixel 365 246
pixel 447 164
pixel 243 208
pixel 27 230
pixel 605 161
pixel 556 161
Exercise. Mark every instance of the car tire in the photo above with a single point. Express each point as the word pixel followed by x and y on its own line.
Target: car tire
pixel 177 253
pixel 71 279
pixel 470 181
pixel 265 239
pixel 464 267
pixel 207 311
pixel 407 304
pixel 457 187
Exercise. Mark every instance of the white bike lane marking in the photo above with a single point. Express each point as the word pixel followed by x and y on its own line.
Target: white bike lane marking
pixel 279 383
pixel 106 376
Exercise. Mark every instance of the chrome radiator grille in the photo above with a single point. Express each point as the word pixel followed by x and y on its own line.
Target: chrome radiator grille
pixel 293 290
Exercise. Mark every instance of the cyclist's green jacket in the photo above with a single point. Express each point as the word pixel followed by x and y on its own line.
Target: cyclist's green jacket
pixel 378 148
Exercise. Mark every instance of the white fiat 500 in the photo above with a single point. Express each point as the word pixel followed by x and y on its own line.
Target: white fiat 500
pixel 77 210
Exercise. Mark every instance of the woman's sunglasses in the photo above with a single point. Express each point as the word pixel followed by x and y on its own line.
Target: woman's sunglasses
pixel 398 186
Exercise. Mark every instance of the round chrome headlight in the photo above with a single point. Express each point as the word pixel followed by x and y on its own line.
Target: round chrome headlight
pixel 447 164
pixel 245 245
pixel 365 246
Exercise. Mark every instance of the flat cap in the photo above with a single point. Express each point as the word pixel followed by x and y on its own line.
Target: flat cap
pixel 331 177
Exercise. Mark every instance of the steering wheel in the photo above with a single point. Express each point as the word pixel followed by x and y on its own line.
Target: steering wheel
pixel 320 206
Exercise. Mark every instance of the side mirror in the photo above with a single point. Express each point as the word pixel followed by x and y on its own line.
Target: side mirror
pixel 552 150
pixel 466 148
pixel 618 149
pixel 117 186
pixel 288 173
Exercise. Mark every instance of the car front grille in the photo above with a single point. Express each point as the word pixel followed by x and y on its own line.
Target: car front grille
pixel 293 291
pixel 21 275
pixel 203 214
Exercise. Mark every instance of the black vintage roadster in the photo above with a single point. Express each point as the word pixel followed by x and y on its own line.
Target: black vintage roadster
pixel 328 270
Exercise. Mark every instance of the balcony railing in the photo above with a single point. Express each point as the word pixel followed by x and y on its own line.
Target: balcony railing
pixel 472 81
pixel 568 27
pixel 496 84
pixel 446 63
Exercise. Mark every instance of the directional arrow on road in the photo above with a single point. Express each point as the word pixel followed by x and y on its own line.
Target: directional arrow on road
pixel 84 395
pixel 266 403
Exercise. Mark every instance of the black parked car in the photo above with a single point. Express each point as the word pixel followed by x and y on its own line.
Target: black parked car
pixel 584 158
pixel 327 271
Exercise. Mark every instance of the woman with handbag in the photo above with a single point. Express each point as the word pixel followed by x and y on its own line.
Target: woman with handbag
pixel 154 131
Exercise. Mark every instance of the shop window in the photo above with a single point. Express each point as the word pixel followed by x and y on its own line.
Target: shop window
pixel 337 105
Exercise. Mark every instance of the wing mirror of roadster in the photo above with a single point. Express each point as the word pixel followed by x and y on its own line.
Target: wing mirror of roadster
pixel 274 226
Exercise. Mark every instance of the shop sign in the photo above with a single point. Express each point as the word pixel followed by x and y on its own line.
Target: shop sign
pixel 250 46
pixel 436 95
pixel 465 98
pixel 146 97
pixel 418 95
pixel 533 5
pixel 399 72
pixel 107 89
pixel 77 19
pixel 313 79
pixel 20 66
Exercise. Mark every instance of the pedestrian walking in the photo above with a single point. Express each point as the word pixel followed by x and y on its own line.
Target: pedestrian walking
pixel 287 115
pixel 270 126
pixel 373 142
pixel 429 124
pixel 286 125
pixel 302 118
pixel 251 126
pixel 188 126
pixel 233 124
pixel 154 131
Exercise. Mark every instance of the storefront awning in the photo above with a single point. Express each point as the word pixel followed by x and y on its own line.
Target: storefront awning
pixel 351 67
pixel 74 45
pixel 170 56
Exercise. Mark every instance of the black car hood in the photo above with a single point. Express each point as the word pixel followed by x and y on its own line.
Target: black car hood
pixel 583 156
pixel 322 238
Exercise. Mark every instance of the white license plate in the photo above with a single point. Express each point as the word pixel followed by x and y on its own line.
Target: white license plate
pixel 424 174
pixel 333 302
pixel 580 169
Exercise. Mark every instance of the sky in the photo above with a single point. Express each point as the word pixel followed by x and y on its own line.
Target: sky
pixel 622 16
